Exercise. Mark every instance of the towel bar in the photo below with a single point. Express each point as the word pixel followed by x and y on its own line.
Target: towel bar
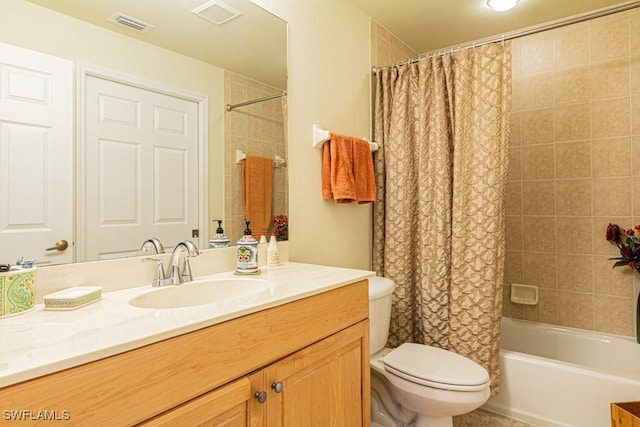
pixel 277 160
pixel 320 136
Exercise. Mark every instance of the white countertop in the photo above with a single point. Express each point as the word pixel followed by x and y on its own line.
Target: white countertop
pixel 41 341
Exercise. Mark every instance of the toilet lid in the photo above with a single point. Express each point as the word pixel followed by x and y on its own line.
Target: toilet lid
pixel 435 367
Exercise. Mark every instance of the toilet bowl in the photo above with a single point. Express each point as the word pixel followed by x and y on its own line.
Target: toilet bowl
pixel 415 384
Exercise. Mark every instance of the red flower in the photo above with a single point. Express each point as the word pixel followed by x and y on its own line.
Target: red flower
pixel 628 243
pixel 613 232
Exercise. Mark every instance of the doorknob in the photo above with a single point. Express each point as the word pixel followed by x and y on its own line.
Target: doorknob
pixel 61 245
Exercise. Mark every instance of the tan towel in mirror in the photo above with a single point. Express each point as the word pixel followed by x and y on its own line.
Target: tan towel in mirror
pixel 257 182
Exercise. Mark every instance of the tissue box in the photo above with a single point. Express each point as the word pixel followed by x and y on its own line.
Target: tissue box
pixel 17 291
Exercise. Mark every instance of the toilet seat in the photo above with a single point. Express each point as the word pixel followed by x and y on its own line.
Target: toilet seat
pixel 435 367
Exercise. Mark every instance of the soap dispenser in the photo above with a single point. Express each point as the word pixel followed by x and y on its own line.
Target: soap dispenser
pixel 247 253
pixel 220 240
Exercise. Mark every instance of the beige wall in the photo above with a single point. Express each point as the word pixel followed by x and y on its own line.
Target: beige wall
pixel 575 167
pixel 34 27
pixel 256 129
pixel 328 84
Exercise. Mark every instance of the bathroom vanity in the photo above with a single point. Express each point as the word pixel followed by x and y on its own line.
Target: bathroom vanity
pixel 298 352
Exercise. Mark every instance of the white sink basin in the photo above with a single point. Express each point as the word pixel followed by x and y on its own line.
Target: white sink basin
pixel 200 293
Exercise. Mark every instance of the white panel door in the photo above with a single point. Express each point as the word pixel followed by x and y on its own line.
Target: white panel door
pixel 36 155
pixel 141 153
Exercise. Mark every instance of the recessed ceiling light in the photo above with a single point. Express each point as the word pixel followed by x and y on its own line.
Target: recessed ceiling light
pixel 501 5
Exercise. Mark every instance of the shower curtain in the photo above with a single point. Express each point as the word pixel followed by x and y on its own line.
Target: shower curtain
pixel 443 126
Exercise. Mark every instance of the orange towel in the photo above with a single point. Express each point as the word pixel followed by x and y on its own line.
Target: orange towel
pixel 257 185
pixel 347 170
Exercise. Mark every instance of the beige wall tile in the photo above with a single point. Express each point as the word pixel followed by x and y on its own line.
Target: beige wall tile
pixel 516 94
pixel 546 311
pixel 612 281
pixel 514 170
pixel 610 79
pixel 536 91
pixel 609 37
pixel 513 267
pixel 611 157
pixel 572 122
pixel 536 126
pixel 571 85
pixel 574 197
pixel 509 308
pixel 515 59
pixel 538 197
pixel 538 234
pixel 612 196
pixel 635 114
pixel 574 273
pixel 515 138
pixel 571 45
pixel 614 315
pixel 585 149
pixel 538 162
pixel 539 269
pixel 513 233
pixel 536 54
pixel 634 75
pixel 575 310
pixel 513 199
pixel 634 33
pixel 610 118
pixel 574 235
pixel 573 159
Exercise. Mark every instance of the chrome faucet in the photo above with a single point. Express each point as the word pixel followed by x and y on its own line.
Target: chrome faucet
pixel 154 243
pixel 173 269
pixel 173 275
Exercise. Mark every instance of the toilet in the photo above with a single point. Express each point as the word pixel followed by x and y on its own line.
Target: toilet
pixel 415 384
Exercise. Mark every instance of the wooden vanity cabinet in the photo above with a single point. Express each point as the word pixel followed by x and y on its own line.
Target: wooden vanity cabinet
pixel 307 360
pixel 320 385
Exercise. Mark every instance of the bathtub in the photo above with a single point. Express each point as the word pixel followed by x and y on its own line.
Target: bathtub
pixel 557 376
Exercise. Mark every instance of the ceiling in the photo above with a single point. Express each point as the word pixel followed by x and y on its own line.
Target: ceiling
pixel 253 44
pixel 428 25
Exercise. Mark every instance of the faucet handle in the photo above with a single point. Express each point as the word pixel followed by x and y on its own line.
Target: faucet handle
pixel 159 279
pixel 186 270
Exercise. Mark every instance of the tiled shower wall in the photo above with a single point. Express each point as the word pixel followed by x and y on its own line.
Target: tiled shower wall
pixel 256 129
pixel 574 166
pixel 386 48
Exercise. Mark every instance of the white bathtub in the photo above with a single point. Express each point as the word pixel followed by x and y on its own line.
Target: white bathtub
pixel 557 376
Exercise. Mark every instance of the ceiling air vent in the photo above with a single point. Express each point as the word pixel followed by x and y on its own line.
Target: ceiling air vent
pixel 216 11
pixel 131 23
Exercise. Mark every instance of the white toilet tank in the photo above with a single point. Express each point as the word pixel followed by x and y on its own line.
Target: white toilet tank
pixel 380 297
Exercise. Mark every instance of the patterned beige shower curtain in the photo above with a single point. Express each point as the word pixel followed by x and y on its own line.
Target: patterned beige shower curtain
pixel 443 124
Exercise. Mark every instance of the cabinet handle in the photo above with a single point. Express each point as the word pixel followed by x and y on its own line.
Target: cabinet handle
pixel 261 396
pixel 277 387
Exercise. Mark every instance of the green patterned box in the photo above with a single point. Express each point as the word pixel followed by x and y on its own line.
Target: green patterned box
pixel 17 291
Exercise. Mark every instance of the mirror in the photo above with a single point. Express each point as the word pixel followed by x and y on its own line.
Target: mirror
pixel 236 61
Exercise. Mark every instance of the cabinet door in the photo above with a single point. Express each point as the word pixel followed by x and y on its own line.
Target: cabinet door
pixel 227 406
pixel 326 384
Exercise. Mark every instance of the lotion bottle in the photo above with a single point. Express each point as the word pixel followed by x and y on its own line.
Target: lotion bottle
pixel 273 256
pixel 247 253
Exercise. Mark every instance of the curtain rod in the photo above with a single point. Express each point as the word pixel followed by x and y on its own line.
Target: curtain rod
pixel 518 34
pixel 253 101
